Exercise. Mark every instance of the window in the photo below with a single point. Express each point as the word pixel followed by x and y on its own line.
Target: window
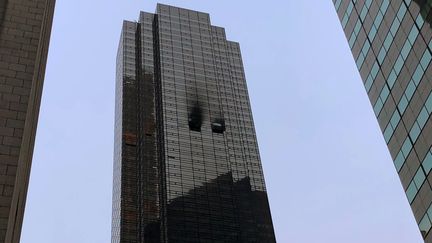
pixel 218 126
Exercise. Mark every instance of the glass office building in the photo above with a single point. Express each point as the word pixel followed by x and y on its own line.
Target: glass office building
pixel 186 160
pixel 25 28
pixel 391 44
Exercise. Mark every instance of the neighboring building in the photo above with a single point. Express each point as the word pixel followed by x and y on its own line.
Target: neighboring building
pixel 186 160
pixel 391 44
pixel 25 27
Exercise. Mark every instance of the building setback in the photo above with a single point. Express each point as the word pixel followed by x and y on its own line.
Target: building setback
pixel 186 160
pixel 25 27
pixel 391 44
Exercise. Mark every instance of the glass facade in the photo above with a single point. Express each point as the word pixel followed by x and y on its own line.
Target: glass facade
pixel 391 42
pixel 186 163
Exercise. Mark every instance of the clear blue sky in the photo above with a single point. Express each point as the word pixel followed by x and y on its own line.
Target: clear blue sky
pixel 329 174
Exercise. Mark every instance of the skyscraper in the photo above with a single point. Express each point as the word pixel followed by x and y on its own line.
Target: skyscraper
pixel 186 160
pixel 25 27
pixel 391 44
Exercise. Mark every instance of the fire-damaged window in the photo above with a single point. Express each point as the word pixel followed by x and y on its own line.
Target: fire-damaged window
pixel 218 125
pixel 195 118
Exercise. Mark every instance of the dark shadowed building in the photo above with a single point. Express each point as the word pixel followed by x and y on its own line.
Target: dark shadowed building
pixel 25 27
pixel 391 44
pixel 186 160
